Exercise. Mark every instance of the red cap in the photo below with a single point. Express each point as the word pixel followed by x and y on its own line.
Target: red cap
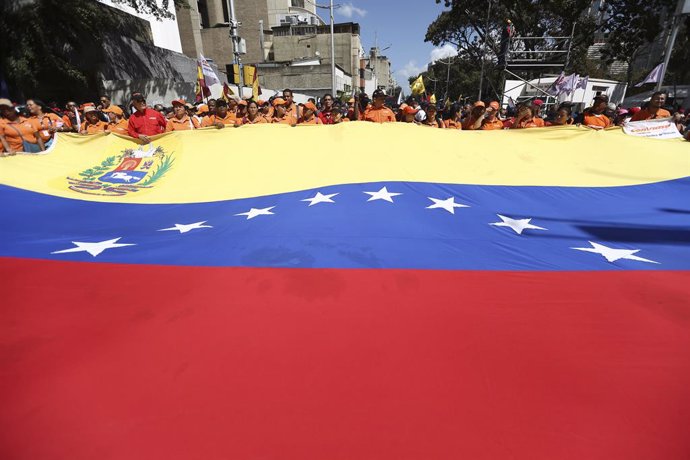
pixel 634 110
pixel 538 102
pixel 178 102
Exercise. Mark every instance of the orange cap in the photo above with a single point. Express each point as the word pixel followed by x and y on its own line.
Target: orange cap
pixel 261 102
pixel 203 108
pixel 278 101
pixel 310 106
pixel 242 102
pixel 113 109
pixel 494 105
pixel 479 104
pixel 409 110
pixel 351 101
pixel 178 102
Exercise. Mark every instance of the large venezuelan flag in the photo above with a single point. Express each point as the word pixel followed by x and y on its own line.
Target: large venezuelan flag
pixel 347 292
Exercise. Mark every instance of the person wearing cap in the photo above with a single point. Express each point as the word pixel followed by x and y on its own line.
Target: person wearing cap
pixel 69 118
pixel 594 117
pixel 407 113
pixel 327 114
pixel 17 133
pixel 264 110
pixel 253 116
pixel 180 120
pixel 377 112
pixel 309 115
pixel 92 123
pixel 290 107
pixel 280 113
pixel 491 120
pixel 145 121
pixel 241 111
pixel 116 116
pixel 654 108
pixel 49 121
pixel 221 118
pixel 476 117
pixel 537 105
pixel 454 120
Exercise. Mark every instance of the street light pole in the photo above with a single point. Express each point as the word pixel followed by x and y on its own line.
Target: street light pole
pixel 236 45
pixel 333 88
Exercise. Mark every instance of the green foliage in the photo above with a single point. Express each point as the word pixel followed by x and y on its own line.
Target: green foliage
pixel 92 173
pixel 161 170
pixel 51 48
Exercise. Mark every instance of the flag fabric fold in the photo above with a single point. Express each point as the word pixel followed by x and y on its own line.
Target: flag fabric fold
pixel 653 76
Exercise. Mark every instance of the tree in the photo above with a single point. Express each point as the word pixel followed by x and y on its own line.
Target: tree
pixel 51 47
pixel 626 26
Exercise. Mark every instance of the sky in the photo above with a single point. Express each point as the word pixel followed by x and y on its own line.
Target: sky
pixel 400 24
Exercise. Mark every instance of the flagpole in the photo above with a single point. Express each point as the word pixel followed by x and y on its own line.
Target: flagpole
pixel 669 48
pixel 333 88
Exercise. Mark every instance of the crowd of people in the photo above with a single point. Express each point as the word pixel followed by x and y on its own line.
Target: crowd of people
pixel 31 128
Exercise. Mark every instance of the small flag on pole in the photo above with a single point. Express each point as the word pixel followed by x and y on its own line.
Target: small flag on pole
pixel 583 83
pixel 432 99
pixel 417 86
pixel 209 74
pixel 653 76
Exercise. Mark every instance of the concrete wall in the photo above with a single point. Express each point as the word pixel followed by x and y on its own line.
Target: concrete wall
pixel 313 80
pixel 188 21
pixel 159 74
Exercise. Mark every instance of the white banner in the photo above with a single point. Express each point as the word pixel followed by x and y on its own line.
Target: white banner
pixel 662 128
pixel 209 74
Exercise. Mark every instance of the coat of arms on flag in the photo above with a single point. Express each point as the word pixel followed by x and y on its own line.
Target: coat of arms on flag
pixel 117 175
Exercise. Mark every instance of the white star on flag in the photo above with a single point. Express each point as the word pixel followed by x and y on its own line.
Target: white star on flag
pixel 320 198
pixel 612 254
pixel 447 204
pixel 382 194
pixel 184 228
pixel 517 225
pixel 253 212
pixel 94 248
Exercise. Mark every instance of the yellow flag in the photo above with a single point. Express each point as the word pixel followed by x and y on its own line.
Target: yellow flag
pixel 417 86
pixel 251 78
pixel 432 99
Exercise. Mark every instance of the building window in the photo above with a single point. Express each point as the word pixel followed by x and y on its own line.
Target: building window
pixel 298 3
pixel 203 14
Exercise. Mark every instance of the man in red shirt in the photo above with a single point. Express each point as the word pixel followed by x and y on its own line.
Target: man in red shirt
pixel 145 121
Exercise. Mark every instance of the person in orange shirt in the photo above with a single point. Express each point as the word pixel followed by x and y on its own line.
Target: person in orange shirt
pixel 280 114
pixel 264 110
pixel 538 121
pixel 118 124
pixel 48 121
pixel 524 118
pixel 222 117
pixel 290 107
pixel 69 118
pixel 253 116
pixel 180 121
pixel 241 111
pixel 18 134
pixel 92 125
pixel 594 116
pixel 491 120
pixel 654 109
pixel 378 112
pixel 309 115
pixel 453 121
pixel 476 117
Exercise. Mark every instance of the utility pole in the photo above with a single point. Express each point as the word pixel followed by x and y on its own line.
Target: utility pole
pixel 486 33
pixel 236 45
pixel 333 88
pixel 672 40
